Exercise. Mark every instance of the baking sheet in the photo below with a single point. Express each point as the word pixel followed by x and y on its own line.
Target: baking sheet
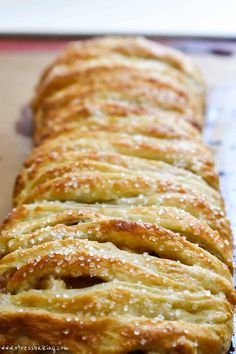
pixel 19 72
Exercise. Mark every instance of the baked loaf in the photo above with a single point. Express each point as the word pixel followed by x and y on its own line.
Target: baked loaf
pixel 118 242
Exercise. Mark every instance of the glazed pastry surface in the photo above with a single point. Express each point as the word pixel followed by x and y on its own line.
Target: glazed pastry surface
pixel 118 241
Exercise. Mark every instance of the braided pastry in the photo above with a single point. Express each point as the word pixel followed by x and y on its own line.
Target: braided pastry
pixel 118 242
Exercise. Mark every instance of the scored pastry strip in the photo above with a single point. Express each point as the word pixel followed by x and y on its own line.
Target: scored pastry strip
pixel 118 242
pixel 133 75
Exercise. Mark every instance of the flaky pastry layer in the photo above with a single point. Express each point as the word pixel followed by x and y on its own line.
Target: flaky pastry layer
pixel 119 241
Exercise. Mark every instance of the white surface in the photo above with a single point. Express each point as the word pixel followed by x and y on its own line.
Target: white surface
pixel 220 132
pixel 173 17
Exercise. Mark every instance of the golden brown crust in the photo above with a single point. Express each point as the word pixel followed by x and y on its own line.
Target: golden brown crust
pixel 135 74
pixel 89 337
pixel 52 169
pixel 119 242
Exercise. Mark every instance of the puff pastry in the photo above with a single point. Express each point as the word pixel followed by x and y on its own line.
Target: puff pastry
pixel 118 242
